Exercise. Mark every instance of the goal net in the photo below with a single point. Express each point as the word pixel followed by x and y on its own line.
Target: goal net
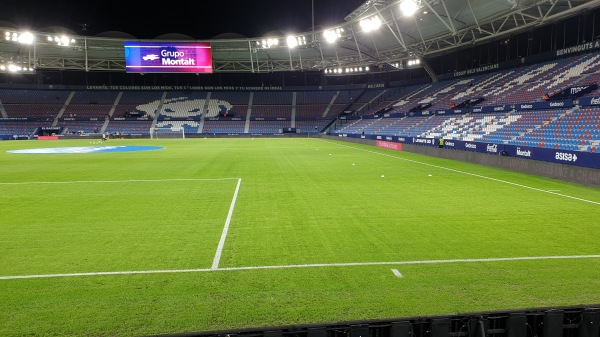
pixel 156 133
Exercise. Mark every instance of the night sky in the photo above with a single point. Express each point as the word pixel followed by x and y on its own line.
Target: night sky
pixel 198 19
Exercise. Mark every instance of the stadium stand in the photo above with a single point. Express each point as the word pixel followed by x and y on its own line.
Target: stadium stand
pixel 35 104
pixel 138 103
pixel 239 101
pixel 394 111
pixel 224 127
pixel 131 127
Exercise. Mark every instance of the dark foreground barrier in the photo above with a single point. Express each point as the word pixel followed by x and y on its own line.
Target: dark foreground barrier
pixel 543 322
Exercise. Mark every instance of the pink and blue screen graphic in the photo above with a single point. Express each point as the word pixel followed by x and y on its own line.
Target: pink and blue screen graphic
pixel 168 57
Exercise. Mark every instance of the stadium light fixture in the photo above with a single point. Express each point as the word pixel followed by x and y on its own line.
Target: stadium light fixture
pixel 370 24
pixel 332 35
pixel 409 7
pixel 413 63
pixel 24 38
pixel 13 68
pixel 346 70
pixel 295 41
pixel 268 43
pixel 291 42
pixel 63 40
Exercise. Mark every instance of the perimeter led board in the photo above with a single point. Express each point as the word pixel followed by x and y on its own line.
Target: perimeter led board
pixel 168 57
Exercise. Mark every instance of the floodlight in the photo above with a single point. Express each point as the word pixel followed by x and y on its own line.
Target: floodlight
pixel 63 41
pixel 346 70
pixel 409 7
pixel 26 38
pixel 269 42
pixel 370 24
pixel 329 36
pixel 414 62
pixel 332 35
pixel 292 42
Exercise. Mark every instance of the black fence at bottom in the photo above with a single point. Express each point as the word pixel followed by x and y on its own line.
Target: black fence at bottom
pixel 541 322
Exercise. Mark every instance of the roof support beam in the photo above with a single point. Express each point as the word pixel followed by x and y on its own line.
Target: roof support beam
pixel 390 28
pixel 439 17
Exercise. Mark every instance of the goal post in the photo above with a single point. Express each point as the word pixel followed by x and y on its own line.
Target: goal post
pixel 157 133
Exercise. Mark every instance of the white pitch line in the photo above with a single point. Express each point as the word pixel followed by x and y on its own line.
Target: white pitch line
pixel 315 265
pixel 217 258
pixel 397 273
pixel 468 173
pixel 112 181
pixel 132 272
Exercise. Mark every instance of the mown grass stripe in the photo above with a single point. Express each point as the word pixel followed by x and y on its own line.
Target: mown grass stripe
pixel 113 181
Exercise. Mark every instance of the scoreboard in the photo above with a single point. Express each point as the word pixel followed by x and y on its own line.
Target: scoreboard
pixel 168 57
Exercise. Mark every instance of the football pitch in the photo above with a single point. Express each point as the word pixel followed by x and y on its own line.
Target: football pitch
pixel 219 234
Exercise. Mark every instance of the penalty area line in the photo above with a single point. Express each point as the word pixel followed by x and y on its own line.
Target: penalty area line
pixel 316 265
pixel 217 258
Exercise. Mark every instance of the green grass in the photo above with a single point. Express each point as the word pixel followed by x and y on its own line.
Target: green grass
pixel 300 201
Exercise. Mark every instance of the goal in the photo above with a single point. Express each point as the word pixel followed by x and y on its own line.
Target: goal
pixel 156 133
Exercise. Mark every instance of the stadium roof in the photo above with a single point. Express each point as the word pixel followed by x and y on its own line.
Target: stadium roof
pixel 437 27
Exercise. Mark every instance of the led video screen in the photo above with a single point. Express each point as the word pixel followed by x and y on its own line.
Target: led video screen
pixel 168 57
